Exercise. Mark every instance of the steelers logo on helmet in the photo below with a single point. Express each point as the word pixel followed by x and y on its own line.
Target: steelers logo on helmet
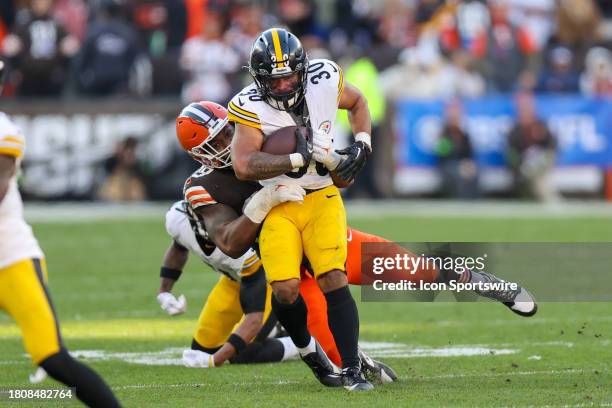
pixel 203 131
pixel 279 66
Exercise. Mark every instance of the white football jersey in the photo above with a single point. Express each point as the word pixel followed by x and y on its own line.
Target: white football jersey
pixel 179 228
pixel 17 241
pixel 323 90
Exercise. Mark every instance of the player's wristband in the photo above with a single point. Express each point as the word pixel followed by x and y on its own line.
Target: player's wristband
pixel 170 273
pixel 297 160
pixel 365 138
pixel 237 341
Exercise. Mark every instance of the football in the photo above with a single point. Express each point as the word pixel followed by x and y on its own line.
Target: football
pixel 281 141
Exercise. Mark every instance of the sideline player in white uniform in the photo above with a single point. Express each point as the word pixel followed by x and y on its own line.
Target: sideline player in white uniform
pixel 290 90
pixel 23 281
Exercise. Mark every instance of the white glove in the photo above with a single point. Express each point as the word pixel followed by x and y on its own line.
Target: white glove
pixel 172 305
pixel 323 151
pixel 270 196
pixel 198 359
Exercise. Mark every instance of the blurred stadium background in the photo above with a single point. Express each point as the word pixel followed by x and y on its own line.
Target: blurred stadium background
pixel 470 99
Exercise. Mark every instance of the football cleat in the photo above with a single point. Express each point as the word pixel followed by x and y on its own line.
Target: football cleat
pixel 375 371
pixel 519 300
pixel 322 367
pixel 353 380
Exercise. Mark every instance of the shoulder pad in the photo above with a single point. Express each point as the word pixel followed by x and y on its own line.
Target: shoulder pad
pixel 12 142
pixel 243 107
pixel 328 73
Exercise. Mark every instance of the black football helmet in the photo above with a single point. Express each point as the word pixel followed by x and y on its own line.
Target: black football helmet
pixel 276 54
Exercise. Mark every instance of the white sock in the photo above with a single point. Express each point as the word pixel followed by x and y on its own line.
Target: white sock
pixel 310 348
pixel 291 351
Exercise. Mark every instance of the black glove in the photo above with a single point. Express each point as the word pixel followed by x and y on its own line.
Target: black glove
pixel 304 144
pixel 355 160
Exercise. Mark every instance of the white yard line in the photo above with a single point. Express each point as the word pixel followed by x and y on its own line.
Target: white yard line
pixel 172 355
pixel 195 385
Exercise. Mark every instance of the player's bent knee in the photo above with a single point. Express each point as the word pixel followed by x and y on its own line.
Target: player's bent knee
pixel 287 291
pixel 332 280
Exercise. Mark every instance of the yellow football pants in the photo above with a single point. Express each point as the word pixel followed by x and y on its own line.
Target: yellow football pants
pixel 222 313
pixel 24 296
pixel 315 228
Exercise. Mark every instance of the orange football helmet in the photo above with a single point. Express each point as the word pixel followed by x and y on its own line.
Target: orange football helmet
pixel 203 131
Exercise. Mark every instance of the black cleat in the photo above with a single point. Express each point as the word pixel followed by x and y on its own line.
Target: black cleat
pixel 519 300
pixel 376 371
pixel 353 380
pixel 322 368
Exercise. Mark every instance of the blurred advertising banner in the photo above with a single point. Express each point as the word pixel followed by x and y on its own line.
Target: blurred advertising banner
pixel 582 127
pixel 70 145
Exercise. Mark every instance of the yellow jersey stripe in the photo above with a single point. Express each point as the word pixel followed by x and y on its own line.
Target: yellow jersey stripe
pixel 240 115
pixel 242 121
pixel 278 51
pixel 340 84
pixel 11 151
pixel 13 139
pixel 233 106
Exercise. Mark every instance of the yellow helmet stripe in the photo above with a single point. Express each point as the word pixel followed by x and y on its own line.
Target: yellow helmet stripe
pixel 278 51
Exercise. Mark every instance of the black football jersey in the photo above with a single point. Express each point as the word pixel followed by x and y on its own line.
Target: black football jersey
pixel 218 186
pixel 214 186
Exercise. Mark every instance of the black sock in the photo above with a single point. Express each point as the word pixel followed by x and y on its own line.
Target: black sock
pixel 293 318
pixel 90 387
pixel 343 320
pixel 267 351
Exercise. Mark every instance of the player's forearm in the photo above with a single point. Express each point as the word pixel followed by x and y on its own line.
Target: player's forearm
pixel 236 237
pixel 174 261
pixel 175 258
pixel 261 166
pixel 166 285
pixel 248 329
pixel 359 116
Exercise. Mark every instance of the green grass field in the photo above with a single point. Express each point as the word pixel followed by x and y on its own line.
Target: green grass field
pixel 104 279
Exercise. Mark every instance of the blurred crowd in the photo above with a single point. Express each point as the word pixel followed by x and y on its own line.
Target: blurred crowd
pixel 393 49
pixel 197 48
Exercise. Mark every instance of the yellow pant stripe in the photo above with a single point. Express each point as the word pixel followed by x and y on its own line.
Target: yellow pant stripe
pixel 248 271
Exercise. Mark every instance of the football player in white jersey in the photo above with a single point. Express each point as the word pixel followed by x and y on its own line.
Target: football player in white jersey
pixel 290 90
pixel 23 281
